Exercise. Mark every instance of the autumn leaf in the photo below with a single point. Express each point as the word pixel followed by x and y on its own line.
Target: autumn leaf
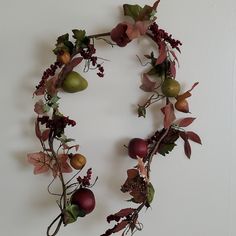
pixel 62 163
pixel 137 29
pixel 147 84
pixel 186 121
pixel 45 135
pixel 187 146
pixel 162 53
pixel 39 107
pixel 169 115
pixel 193 137
pixel 41 162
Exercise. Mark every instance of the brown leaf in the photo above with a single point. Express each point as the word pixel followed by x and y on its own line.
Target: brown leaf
pixel 37 130
pixel 187 148
pixel 186 121
pixel 39 107
pixel 147 84
pixel 124 212
pixel 194 137
pixel 45 135
pixel 120 226
pixel 162 53
pixel 169 115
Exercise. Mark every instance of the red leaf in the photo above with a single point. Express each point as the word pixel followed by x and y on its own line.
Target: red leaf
pixel 39 107
pixel 137 29
pixel 63 163
pixel 186 121
pixel 45 135
pixel 155 5
pixel 169 115
pixel 124 212
pixel 70 66
pixel 41 162
pixel 194 137
pixel 120 226
pixel 51 85
pixel 37 130
pixel 187 148
pixel 162 53
pixel 175 57
pixel 147 84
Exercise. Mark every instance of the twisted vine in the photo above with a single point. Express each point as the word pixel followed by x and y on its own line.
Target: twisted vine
pixel 60 156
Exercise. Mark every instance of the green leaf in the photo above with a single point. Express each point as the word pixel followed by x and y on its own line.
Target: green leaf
pixel 80 37
pixel 54 99
pixel 132 10
pixel 150 193
pixel 46 108
pixel 63 44
pixel 166 148
pixel 141 111
pixel 72 212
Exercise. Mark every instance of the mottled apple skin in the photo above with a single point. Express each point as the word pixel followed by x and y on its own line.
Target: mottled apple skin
pixel 137 148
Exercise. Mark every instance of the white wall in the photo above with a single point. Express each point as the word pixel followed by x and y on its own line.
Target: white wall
pixel 193 197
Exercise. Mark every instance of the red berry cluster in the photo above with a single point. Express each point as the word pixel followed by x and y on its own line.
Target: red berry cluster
pixel 85 181
pixel 159 34
pixel 57 124
pixel 49 72
pixel 87 53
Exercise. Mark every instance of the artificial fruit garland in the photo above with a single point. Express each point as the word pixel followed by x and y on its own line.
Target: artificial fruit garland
pixel 59 154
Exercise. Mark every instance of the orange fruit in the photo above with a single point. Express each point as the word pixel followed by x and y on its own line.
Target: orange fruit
pixel 78 161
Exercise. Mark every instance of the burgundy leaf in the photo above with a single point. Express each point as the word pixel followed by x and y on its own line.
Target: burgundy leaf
pixel 169 115
pixel 125 212
pixel 137 29
pixel 194 137
pixel 155 5
pixel 51 85
pixel 186 121
pixel 183 135
pixel 70 66
pixel 39 107
pixel 119 35
pixel 162 53
pixel 37 130
pixel 175 57
pixel 147 84
pixel 120 226
pixel 187 148
pixel 45 135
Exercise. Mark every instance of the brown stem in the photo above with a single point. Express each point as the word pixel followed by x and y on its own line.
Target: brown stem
pixel 58 225
pixel 153 151
pixel 99 35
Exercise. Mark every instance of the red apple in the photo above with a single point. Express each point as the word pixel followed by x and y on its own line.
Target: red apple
pixel 137 148
pixel 84 199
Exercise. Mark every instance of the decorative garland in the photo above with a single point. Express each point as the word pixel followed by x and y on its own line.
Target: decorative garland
pixel 59 156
